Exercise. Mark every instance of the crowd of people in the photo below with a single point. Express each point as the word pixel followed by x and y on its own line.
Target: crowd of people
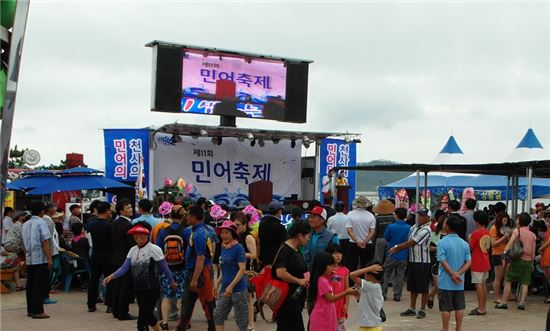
pixel 212 253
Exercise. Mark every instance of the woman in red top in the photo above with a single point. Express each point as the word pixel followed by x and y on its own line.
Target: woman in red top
pixel 480 243
pixel 545 251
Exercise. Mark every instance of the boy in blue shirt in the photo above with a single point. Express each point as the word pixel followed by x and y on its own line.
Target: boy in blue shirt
pixel 396 263
pixel 454 258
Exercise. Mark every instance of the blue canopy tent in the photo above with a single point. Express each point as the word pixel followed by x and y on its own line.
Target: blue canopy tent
pixel 31 180
pixel 79 182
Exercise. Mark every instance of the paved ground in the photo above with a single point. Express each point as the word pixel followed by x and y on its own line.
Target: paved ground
pixel 70 314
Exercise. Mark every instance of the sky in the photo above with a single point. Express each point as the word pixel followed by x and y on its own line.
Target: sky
pixel 405 75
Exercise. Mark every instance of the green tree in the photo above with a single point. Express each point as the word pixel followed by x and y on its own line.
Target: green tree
pixel 16 158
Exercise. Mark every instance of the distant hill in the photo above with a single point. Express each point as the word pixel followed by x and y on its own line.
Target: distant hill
pixel 370 180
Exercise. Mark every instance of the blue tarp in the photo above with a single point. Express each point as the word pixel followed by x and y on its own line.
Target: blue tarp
pixel 438 184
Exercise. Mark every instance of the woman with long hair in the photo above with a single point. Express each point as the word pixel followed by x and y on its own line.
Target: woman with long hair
pixel 500 233
pixel 247 240
pixel 289 266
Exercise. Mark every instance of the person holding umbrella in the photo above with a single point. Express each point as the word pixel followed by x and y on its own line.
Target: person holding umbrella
pixel 145 280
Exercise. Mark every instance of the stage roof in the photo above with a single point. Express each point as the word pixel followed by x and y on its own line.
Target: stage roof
pixel 541 169
pixel 224 131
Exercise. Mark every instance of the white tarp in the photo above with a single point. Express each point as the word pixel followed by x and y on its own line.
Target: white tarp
pixel 223 172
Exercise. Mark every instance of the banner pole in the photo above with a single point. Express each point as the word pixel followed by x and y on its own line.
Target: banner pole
pixel 12 78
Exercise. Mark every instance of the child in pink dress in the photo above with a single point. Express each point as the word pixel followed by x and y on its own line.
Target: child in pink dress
pixel 321 296
pixel 339 280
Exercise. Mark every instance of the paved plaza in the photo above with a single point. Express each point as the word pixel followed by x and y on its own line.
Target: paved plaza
pixel 70 313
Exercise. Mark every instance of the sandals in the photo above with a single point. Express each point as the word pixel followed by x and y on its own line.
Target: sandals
pixel 476 312
pixel 430 304
pixel 501 306
pixel 19 288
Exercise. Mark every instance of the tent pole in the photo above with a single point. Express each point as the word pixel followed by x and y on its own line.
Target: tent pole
pixel 516 198
pixel 507 191
pixel 529 188
pixel 513 193
pixel 417 200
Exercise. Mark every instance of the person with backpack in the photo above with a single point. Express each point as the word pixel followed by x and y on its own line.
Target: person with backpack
pixel 199 275
pixel 171 240
pixel 321 237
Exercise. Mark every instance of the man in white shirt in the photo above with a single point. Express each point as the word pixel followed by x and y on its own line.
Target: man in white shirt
pixel 327 183
pixel 337 224
pixel 7 222
pixel 361 229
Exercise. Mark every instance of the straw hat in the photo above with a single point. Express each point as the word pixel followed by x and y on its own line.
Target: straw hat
pixel 362 202
pixel 384 207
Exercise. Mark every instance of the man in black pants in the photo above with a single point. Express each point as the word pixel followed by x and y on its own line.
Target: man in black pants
pixel 36 238
pixel 102 252
pixel 122 242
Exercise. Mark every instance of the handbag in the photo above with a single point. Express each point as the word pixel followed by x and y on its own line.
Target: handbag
pixel 516 251
pixel 271 292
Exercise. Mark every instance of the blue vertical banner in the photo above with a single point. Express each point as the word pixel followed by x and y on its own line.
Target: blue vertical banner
pixel 127 155
pixel 337 153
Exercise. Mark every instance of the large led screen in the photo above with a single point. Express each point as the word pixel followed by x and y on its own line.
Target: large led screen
pixel 231 85
pixel 215 82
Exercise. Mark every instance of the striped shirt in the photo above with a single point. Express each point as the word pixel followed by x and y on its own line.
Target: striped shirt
pixel 421 235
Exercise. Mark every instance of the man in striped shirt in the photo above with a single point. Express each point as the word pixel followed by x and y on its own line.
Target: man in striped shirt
pixel 418 275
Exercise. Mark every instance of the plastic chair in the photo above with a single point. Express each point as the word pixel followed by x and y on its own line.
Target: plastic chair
pixel 83 267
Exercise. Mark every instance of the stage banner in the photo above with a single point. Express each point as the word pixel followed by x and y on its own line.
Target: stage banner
pixel 222 172
pixel 124 149
pixel 336 153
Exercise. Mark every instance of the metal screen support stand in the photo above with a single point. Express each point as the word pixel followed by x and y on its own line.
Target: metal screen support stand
pixel 229 121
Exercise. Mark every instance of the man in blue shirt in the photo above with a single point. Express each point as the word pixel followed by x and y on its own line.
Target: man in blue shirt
pixel 396 263
pixel 199 274
pixel 321 237
pixel 144 208
pixel 454 258
pixel 36 238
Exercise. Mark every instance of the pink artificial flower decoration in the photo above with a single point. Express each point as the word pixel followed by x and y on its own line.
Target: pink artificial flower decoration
pixel 168 182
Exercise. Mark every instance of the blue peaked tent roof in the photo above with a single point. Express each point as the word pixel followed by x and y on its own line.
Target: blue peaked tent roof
pixel 529 140
pixel 451 147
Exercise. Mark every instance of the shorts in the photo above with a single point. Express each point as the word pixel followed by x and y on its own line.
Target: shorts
pixel 479 277
pixel 370 328
pixel 435 268
pixel 496 260
pixel 167 291
pixel 451 300
pixel 519 271
pixel 418 277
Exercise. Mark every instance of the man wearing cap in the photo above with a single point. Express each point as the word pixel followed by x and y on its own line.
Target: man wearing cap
pixel 36 239
pixel 271 233
pixel 337 224
pixel 384 217
pixel 361 229
pixel 122 242
pixel 321 237
pixel 418 275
